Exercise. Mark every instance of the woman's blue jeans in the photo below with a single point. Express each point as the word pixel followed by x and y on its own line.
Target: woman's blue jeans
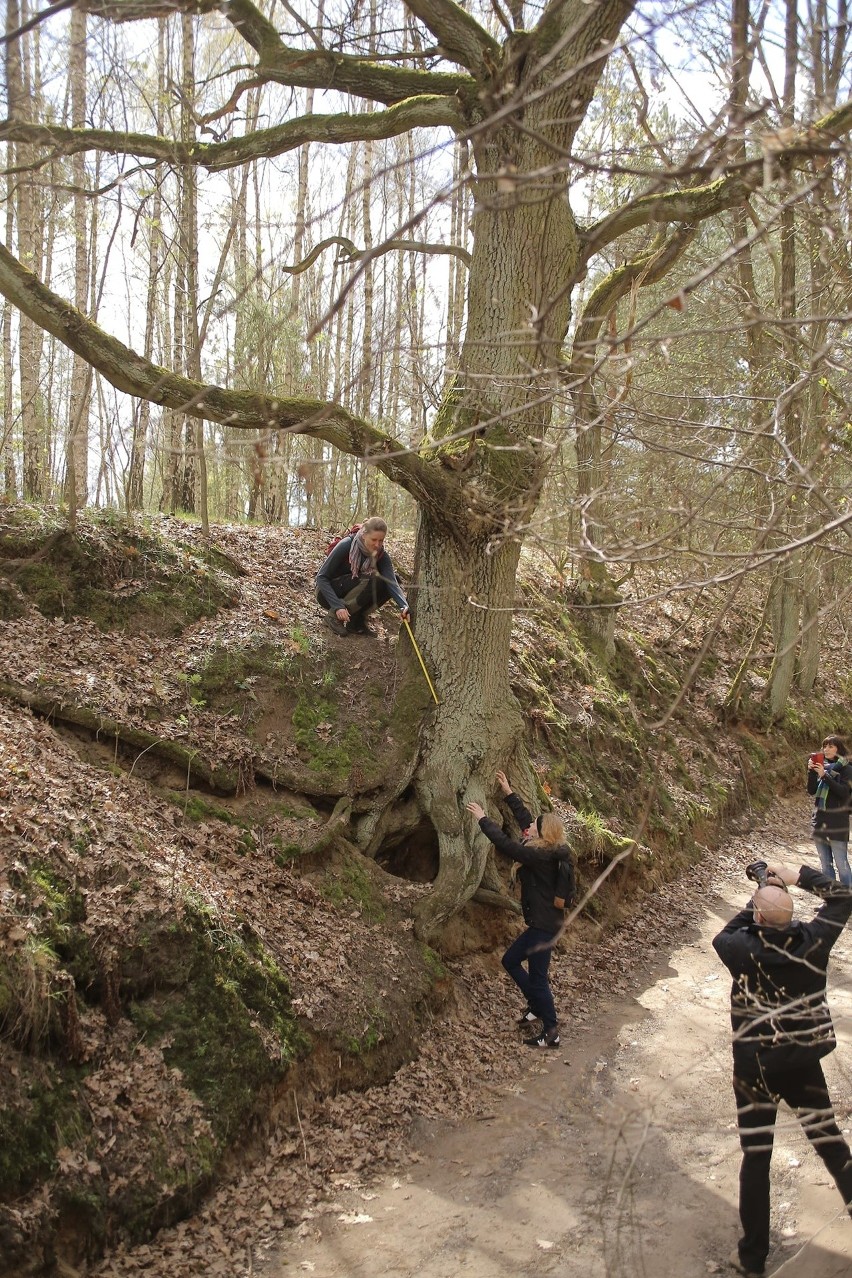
pixel 833 853
pixel 533 947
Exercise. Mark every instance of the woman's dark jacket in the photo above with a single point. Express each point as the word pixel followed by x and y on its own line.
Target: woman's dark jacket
pixel 545 873
pixel 779 1012
pixel 337 566
pixel 832 821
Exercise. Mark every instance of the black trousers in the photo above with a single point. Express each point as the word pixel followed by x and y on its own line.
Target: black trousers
pixel 360 594
pixel 758 1097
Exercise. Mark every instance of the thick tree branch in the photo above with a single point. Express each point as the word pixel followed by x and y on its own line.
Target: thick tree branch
pixel 790 149
pixel 428 112
pixel 461 37
pixel 645 269
pixel 436 489
pixel 567 53
pixel 299 68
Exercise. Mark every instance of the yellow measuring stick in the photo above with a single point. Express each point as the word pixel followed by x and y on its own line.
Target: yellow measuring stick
pixel 422 663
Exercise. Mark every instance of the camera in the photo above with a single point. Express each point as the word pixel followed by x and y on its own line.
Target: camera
pixel 757 872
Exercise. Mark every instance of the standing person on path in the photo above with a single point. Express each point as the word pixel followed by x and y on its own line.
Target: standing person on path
pixel 830 780
pixel 357 577
pixel 547 886
pixel 782 1029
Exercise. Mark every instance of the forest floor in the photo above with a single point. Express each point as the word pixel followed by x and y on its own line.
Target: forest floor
pixel 616 1155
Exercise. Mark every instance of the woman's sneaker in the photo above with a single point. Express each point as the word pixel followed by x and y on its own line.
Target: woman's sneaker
pixel 547 1038
pixel 527 1017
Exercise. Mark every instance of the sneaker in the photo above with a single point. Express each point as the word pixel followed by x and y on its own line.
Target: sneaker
pixel 527 1016
pixel 339 627
pixel 747 1272
pixel 547 1038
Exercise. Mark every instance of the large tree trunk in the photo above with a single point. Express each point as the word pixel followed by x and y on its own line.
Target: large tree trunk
pixel 463 626
pixel 494 423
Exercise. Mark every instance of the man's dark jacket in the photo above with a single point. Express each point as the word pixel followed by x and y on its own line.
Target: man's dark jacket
pixel 545 873
pixel 779 1012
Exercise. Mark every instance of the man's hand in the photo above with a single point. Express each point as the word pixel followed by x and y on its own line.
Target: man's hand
pixel 787 876
pixel 404 614
pixel 342 614
pixel 503 782
pixel 476 809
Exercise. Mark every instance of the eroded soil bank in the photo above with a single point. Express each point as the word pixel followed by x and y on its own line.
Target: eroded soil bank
pixel 618 1154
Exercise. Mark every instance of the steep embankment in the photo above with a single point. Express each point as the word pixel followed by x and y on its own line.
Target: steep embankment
pixel 194 954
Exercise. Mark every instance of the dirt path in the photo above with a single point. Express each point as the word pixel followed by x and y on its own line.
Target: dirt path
pixel 616 1155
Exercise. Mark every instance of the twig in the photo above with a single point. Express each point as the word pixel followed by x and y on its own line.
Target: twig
pixel 301 1128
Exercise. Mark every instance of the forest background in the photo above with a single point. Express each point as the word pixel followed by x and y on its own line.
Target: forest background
pixel 573 277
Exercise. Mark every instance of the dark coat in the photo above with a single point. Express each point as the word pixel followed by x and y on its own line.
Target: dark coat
pixel 832 821
pixel 336 566
pixel 779 1012
pixel 545 873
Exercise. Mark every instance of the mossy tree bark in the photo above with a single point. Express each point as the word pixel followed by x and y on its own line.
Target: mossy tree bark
pixel 464 619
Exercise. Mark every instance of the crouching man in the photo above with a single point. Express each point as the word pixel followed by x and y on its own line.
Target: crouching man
pixel 782 1029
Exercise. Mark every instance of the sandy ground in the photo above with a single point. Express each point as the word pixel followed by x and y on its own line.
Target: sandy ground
pixel 617 1154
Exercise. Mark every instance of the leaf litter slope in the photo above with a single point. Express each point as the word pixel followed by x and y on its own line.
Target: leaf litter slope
pixel 617 1155
pixel 460 1068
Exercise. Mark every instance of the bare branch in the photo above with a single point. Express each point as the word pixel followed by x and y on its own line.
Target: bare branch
pixel 645 269
pixel 58 7
pixel 428 112
pixel 351 251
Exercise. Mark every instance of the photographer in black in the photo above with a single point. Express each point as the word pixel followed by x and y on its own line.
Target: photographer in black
pixel 782 1029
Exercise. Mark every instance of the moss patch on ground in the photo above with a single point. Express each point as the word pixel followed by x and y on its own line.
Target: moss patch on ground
pixel 348 884
pixel 119 574
pixel 233 1004
pixel 45 1112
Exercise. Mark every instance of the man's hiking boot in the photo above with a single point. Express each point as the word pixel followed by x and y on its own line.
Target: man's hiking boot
pixel 740 1268
pixel 527 1017
pixel 547 1038
pixel 360 626
pixel 338 627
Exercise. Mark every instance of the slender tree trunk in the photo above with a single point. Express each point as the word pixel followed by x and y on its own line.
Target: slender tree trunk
pixel 135 488
pixel 20 93
pixel 788 573
pixel 77 463
pixel 10 477
pixel 194 483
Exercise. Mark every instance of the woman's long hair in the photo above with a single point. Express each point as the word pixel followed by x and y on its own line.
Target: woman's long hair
pixel 551 833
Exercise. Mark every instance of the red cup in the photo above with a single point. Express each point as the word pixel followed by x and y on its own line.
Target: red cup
pixel 818 757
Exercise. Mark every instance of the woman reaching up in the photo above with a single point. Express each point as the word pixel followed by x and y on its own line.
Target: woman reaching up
pixel 547 887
